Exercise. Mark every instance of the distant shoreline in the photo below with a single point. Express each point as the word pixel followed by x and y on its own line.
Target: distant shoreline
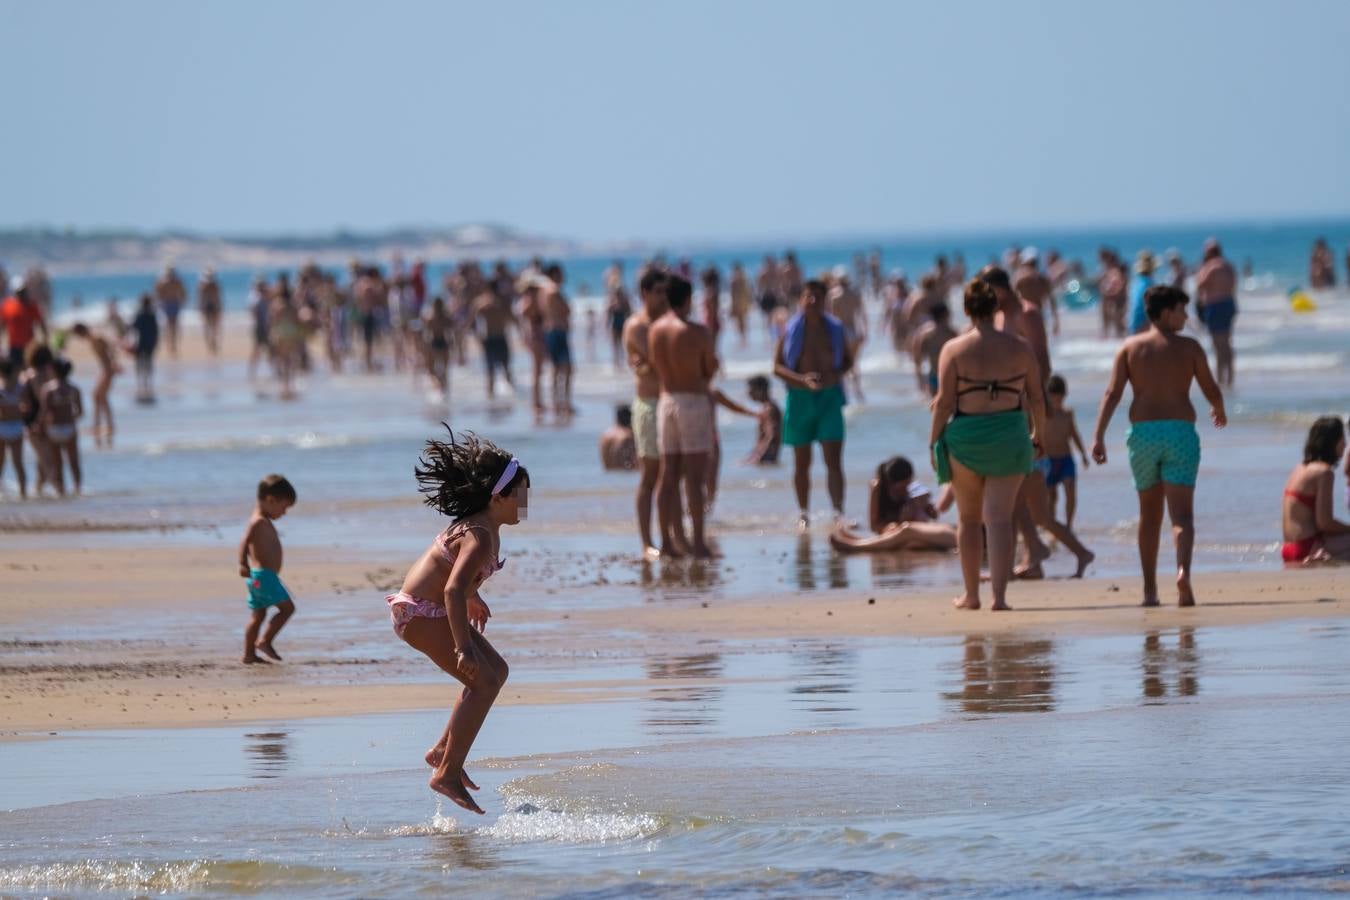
pixel 75 252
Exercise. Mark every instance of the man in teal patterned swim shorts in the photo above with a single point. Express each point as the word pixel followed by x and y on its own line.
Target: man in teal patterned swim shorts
pixel 1164 449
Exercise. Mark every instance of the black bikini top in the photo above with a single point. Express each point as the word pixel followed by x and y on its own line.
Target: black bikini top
pixel 992 388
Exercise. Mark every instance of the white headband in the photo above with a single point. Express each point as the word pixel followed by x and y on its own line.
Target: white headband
pixel 507 474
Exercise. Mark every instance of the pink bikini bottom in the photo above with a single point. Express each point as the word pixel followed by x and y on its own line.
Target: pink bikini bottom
pixel 403 608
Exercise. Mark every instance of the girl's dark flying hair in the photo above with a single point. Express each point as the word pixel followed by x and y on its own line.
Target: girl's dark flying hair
pixel 457 476
pixel 1323 437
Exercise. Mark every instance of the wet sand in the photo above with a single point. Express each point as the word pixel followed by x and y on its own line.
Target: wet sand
pixel 154 639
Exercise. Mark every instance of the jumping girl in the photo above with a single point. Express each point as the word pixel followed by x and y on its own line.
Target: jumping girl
pixel 439 611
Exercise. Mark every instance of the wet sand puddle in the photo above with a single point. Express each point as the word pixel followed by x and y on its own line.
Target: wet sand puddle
pixel 1194 761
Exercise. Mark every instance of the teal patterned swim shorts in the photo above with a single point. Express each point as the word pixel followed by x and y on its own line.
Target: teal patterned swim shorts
pixel 1166 450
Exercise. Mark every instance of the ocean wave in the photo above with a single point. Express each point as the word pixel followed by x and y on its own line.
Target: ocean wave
pixel 308 440
pixel 160 877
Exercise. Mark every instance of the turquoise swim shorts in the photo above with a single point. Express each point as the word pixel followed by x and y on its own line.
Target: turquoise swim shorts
pixel 1166 450
pixel 265 589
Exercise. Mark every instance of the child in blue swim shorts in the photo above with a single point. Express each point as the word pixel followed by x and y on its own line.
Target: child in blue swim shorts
pixel 260 563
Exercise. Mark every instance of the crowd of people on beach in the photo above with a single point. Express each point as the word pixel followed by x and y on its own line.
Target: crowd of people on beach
pixel 1003 442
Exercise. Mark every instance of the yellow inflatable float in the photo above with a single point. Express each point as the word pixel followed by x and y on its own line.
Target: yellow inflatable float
pixel 1300 302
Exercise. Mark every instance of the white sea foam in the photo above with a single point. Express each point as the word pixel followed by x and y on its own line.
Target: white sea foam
pixel 534 819
pixel 104 875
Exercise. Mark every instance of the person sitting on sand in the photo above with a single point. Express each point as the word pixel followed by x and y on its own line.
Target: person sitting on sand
pixel 438 611
pixel 988 384
pixel 1061 436
pixel 1311 532
pixel 769 434
pixel 901 514
pixel 1164 449
pixel 260 563
pixel 618 448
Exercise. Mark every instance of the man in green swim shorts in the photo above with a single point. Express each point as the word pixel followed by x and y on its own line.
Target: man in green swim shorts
pixel 1164 449
pixel 812 359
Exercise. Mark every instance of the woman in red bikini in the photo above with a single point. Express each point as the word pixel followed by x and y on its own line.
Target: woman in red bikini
pixel 1311 532
pixel 439 611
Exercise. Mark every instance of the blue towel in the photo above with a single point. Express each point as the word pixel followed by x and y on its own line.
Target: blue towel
pixel 794 340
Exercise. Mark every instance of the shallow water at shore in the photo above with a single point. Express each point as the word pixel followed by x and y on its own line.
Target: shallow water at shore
pixel 184 470
pixel 1196 761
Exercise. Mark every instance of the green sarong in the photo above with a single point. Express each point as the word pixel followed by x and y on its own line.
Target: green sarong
pixel 992 445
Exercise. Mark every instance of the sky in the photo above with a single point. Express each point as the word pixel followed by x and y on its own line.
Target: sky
pixel 717 120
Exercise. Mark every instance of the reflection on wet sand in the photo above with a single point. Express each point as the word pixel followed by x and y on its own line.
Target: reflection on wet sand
pixel 683 708
pixel 893 569
pixel 698 576
pixel 268 752
pixel 457 851
pixel 1170 672
pixel 826 673
pixel 1003 674
pixel 836 572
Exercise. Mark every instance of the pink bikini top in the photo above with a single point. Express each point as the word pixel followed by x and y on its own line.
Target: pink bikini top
pixel 448 542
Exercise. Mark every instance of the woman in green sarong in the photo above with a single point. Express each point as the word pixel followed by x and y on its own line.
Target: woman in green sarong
pixel 988 387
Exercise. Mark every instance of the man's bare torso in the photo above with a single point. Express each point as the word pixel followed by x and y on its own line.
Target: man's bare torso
pixel 681 354
pixel 1032 286
pixel 1216 280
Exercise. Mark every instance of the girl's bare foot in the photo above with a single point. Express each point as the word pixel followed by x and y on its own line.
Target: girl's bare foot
pixel 1083 562
pixel 451 786
pixel 268 650
pixel 1185 596
pixel 966 603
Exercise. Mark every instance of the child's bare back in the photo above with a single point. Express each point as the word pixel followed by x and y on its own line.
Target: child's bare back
pixel 1057 434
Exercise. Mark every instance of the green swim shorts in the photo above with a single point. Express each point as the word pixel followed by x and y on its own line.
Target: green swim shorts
pixel 265 589
pixel 813 416
pixel 1166 450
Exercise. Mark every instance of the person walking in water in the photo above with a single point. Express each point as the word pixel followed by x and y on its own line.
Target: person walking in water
pixel 981 441
pixel 1216 305
pixel 1164 449
pixel 812 359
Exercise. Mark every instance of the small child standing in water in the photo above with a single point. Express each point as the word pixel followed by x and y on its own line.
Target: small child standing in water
pixel 261 547
pixel 439 611
pixel 1061 431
